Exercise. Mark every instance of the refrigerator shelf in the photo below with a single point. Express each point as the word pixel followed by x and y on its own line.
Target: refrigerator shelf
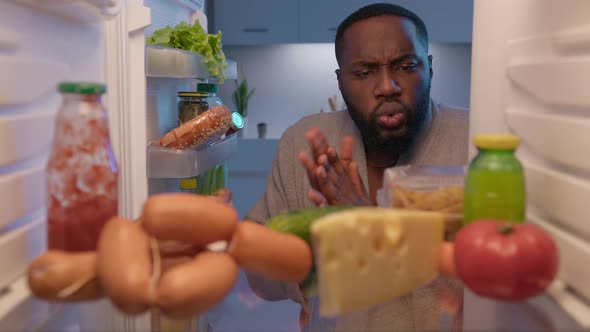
pixel 176 63
pixel 173 163
pixel 77 11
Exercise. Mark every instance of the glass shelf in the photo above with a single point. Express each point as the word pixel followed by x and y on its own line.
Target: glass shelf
pixel 176 63
pixel 173 163
pixel 77 11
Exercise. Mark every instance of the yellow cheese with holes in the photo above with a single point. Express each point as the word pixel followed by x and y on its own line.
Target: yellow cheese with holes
pixel 367 256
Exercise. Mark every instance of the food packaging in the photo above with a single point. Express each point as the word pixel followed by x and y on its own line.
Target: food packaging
pixel 426 188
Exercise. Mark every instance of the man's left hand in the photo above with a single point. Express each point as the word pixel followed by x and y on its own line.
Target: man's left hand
pixel 334 179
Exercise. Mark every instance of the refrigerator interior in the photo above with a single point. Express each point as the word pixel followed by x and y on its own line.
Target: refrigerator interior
pixel 40 47
pixel 530 76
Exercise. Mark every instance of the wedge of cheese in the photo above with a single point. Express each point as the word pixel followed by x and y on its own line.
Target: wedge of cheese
pixel 366 256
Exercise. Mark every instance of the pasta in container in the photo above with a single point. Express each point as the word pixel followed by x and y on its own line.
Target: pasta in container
pixel 426 188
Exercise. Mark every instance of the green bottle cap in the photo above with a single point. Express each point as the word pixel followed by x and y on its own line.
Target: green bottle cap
pixel 207 87
pixel 237 121
pixel 85 88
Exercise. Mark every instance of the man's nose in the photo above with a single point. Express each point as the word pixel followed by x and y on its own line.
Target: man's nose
pixel 387 85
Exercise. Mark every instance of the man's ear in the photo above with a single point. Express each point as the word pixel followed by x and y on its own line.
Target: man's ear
pixel 430 65
pixel 338 74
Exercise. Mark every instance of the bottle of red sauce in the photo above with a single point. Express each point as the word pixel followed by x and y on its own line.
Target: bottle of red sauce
pixel 82 173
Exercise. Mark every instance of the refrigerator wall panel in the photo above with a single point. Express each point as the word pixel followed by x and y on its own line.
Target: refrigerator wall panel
pixel 24 136
pixel 21 193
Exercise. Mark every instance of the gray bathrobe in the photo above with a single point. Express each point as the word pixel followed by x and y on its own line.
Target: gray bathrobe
pixel 443 141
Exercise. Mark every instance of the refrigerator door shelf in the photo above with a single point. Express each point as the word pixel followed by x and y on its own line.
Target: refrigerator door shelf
pixel 77 11
pixel 173 163
pixel 18 247
pixel 176 63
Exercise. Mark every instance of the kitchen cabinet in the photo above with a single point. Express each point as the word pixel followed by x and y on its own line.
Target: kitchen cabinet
pixel 447 21
pixel 319 19
pixel 256 22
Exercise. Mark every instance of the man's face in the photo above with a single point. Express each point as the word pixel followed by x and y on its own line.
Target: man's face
pixel 384 78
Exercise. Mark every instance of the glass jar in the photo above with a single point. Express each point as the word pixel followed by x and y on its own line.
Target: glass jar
pixel 82 173
pixel 495 185
pixel 191 104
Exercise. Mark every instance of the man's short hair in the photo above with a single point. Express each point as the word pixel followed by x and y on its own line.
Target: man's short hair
pixel 380 9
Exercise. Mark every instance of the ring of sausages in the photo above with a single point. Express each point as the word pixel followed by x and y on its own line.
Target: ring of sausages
pixel 162 260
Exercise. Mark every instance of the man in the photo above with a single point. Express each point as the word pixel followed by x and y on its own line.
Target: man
pixel 384 77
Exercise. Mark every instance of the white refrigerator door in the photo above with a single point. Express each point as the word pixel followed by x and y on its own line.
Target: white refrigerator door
pixel 530 76
pixel 43 43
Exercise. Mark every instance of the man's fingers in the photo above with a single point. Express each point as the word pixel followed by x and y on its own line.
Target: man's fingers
pixel 356 180
pixel 309 166
pixel 316 198
pixel 326 186
pixel 317 142
pixel 340 170
pixel 346 148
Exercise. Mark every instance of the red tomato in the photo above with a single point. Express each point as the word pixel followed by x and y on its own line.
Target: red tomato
pixel 504 261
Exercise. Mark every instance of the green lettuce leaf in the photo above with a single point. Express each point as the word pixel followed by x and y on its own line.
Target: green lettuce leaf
pixel 195 39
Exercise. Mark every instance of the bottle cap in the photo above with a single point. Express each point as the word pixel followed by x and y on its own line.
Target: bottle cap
pixel 85 88
pixel 496 141
pixel 237 121
pixel 207 87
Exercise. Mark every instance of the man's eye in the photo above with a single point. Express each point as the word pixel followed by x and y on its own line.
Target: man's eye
pixel 408 67
pixel 362 73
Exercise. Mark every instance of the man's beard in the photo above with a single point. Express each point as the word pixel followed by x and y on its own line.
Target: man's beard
pixel 371 132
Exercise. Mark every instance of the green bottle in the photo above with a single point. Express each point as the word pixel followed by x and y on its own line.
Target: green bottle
pixel 495 185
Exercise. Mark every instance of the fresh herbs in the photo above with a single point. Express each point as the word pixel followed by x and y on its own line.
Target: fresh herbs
pixel 194 38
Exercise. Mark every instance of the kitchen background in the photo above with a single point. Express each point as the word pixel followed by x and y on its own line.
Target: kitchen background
pixel 285 50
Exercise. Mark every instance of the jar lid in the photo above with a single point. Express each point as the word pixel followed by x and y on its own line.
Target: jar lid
pixel 85 88
pixel 496 141
pixel 207 87
pixel 237 121
pixel 190 183
pixel 192 94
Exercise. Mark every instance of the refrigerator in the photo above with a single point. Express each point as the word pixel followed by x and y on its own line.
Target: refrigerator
pixel 530 70
pixel 46 42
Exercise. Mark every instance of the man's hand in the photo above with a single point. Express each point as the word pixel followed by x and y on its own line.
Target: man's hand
pixel 334 179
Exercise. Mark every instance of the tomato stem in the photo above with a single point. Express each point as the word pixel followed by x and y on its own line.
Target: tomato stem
pixel 505 229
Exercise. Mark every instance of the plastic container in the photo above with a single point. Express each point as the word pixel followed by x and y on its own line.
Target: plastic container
pixel 426 188
pixel 495 187
pixel 82 173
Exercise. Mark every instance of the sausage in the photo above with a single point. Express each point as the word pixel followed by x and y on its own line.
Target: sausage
pixel 198 130
pixel 124 265
pixel 65 276
pixel 447 259
pixel 191 288
pixel 273 254
pixel 188 218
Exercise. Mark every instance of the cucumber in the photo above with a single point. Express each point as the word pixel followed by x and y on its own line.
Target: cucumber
pixel 298 222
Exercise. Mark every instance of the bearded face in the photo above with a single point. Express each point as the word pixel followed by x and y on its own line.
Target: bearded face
pixel 384 78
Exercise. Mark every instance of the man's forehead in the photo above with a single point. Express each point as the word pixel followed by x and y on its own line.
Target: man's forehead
pixel 377 37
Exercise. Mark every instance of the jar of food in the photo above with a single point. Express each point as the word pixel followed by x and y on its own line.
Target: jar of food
pixel 82 173
pixel 191 104
pixel 495 185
